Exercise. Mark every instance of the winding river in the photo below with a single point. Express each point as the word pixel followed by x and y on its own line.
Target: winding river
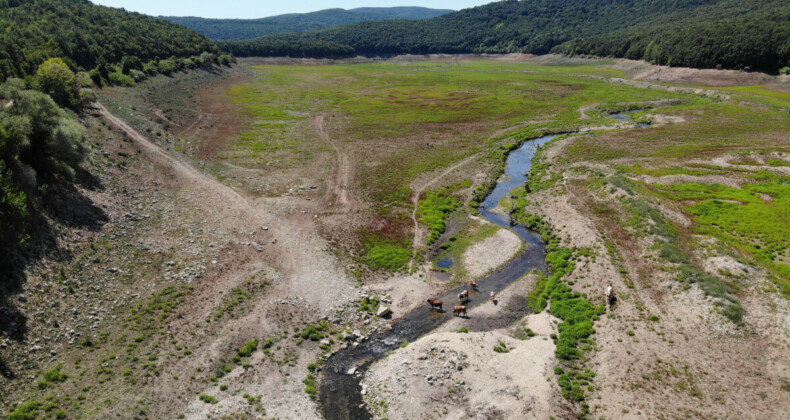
pixel 340 391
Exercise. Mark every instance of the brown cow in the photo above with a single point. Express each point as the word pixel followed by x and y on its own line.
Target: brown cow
pixel 473 284
pixel 459 310
pixel 463 296
pixel 435 304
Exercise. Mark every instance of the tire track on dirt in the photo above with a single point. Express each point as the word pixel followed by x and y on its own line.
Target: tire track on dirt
pixel 343 176
pixel 160 156
pixel 306 267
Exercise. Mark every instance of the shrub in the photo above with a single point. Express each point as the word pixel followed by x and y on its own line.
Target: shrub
pixel 248 348
pixel 28 410
pixel 120 79
pixel 208 399
pixel 734 312
pixel 310 386
pixel 58 81
pixel 55 375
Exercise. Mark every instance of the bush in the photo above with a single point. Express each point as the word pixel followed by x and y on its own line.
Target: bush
pixel 310 386
pixel 55 375
pixel 248 348
pixel 208 399
pixel 501 348
pixel 28 410
pixel 734 312
pixel 58 81
pixel 120 79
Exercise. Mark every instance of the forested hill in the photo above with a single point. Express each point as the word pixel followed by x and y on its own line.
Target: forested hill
pixel 234 29
pixel 85 34
pixel 697 33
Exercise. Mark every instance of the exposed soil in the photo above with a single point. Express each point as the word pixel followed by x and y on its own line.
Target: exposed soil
pixel 492 252
pixel 308 277
pixel 663 350
pixel 449 374
pixel 219 119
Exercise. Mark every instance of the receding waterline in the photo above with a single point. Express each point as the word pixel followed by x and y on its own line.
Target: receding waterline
pixel 340 391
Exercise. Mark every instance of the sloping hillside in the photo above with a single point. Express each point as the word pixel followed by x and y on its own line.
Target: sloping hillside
pixel 85 34
pixel 235 29
pixel 698 33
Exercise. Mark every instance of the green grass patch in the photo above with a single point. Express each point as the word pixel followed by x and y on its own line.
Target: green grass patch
pixel 388 256
pixel 434 209
pixel 753 219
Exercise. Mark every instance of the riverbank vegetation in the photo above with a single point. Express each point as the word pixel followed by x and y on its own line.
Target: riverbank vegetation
pixel 437 112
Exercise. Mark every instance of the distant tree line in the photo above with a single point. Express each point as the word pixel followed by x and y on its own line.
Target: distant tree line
pixel 235 29
pixel 737 34
pixel 287 48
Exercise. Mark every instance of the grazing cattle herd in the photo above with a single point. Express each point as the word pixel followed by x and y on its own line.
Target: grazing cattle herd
pixel 463 297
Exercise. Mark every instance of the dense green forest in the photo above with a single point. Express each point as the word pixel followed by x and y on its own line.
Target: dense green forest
pixel 86 35
pixel 236 29
pixel 697 33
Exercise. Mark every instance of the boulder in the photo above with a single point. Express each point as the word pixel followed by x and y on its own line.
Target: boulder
pixel 383 311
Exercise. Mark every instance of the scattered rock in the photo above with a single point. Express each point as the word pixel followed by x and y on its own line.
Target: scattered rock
pixel 383 311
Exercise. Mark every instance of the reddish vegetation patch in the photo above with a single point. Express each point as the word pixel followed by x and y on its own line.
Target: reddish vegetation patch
pixel 219 119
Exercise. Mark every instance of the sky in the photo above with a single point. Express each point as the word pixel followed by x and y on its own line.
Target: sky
pixel 251 9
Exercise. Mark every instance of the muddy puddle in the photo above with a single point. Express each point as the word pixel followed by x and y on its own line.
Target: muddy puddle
pixel 340 391
pixel 625 117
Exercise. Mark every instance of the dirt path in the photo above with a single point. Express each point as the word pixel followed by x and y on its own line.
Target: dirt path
pixel 306 267
pixel 160 156
pixel 294 256
pixel 343 176
pixel 418 234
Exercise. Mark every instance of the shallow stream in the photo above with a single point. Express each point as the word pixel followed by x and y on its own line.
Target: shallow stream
pixel 340 391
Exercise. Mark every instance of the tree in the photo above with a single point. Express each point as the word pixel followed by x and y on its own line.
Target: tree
pixel 131 62
pixel 58 81
pixel 35 133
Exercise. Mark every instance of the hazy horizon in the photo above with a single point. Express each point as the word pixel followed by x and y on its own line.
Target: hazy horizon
pixel 248 9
